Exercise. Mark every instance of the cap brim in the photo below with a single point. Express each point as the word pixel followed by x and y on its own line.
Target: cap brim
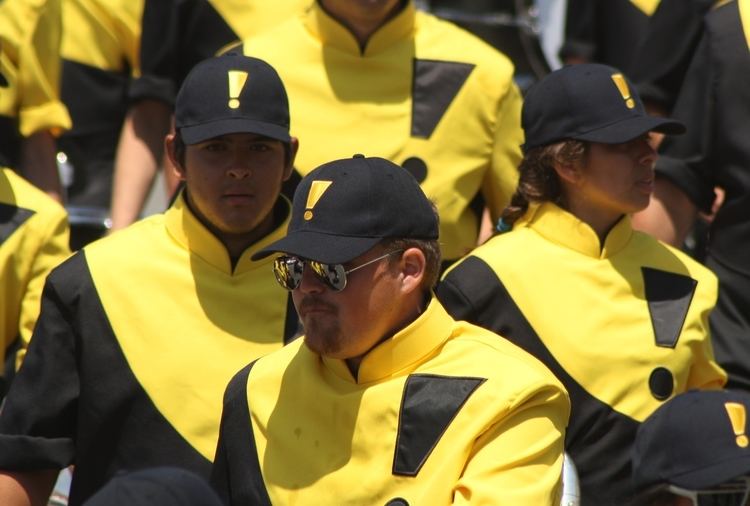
pixel 713 475
pixel 325 248
pixel 628 129
pixel 205 131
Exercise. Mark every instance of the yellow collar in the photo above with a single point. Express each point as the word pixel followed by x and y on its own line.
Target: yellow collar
pixel 187 230
pixel 332 33
pixel 559 226
pixel 403 352
pixel 744 7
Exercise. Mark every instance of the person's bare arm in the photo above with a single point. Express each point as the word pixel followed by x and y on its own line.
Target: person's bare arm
pixel 38 163
pixel 670 215
pixel 27 488
pixel 138 157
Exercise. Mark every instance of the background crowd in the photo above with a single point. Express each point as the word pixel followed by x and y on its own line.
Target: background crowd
pixel 588 166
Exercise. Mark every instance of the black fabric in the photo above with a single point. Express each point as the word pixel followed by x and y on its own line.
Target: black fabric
pixel 436 84
pixel 598 438
pixel 76 401
pixel 11 219
pixel 10 141
pixel 428 406
pixel 236 474
pixel 669 296
pixel 176 34
pixel 670 40
pixel 606 32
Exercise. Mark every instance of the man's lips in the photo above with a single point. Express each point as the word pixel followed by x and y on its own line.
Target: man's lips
pixel 311 305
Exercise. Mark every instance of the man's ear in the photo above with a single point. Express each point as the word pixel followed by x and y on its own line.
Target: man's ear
pixel 293 148
pixel 413 265
pixel 169 149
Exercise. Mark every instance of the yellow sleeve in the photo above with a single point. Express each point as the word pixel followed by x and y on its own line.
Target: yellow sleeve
pixel 39 67
pixel 53 249
pixel 501 180
pixel 518 461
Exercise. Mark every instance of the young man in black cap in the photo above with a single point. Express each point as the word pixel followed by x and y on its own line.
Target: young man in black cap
pixel 140 332
pixel 620 318
pixel 387 399
pixel 694 451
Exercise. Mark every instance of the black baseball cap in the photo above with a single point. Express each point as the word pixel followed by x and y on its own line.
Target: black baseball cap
pixel 696 440
pixel 232 93
pixel 165 486
pixel 587 102
pixel 345 207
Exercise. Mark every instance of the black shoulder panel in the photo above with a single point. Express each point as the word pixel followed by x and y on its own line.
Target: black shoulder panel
pixel 11 219
pixel 435 85
pixel 236 474
pixel 669 296
pixel 428 406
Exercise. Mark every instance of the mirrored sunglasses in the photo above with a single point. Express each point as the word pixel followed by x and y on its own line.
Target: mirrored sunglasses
pixel 732 493
pixel 288 271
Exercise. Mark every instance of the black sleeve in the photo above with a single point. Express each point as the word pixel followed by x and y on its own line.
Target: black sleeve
pixel 580 30
pixel 686 159
pixel 159 52
pixel 673 33
pixel 236 475
pixel 38 419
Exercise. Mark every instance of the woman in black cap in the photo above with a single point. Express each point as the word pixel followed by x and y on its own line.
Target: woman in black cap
pixel 618 316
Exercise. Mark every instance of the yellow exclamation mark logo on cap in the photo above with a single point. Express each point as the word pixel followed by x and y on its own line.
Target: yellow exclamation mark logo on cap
pixel 237 79
pixel 622 85
pixel 317 189
pixel 737 417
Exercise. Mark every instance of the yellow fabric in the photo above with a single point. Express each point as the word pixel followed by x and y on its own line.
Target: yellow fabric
pixel 344 101
pixel 324 438
pixel 29 60
pixel 646 6
pixel 587 304
pixel 744 7
pixel 184 320
pixel 250 17
pixel 103 34
pixel 26 257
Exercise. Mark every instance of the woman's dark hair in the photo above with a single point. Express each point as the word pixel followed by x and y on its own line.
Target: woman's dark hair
pixel 537 180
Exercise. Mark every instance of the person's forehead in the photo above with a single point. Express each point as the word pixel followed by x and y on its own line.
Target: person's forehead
pixel 241 137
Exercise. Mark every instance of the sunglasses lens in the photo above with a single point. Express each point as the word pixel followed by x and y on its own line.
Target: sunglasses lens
pixel 288 272
pixel 722 499
pixel 332 274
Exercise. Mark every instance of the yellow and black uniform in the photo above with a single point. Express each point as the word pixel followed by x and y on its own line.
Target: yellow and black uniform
pixel 138 336
pixel 30 70
pixel 714 102
pixel 443 412
pixel 33 239
pixel 623 325
pixel 606 32
pixel 177 34
pixel 99 49
pixel 423 93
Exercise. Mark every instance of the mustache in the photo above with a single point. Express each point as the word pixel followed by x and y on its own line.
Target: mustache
pixel 312 302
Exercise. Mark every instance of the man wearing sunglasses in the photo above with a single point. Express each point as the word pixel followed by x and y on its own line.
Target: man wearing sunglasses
pixel 386 399
pixel 140 332
pixel 694 450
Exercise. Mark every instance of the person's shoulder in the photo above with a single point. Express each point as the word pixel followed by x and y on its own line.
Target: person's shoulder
pixel 21 193
pixel 443 40
pixel 130 243
pixel 274 365
pixel 660 255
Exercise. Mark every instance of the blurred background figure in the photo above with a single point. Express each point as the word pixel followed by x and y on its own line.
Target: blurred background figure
pixel 99 50
pixel 694 451
pixel 31 113
pixel 175 35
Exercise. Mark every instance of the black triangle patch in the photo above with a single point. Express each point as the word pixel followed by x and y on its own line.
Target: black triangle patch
pixel 428 406
pixel 435 85
pixel 11 219
pixel 669 296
